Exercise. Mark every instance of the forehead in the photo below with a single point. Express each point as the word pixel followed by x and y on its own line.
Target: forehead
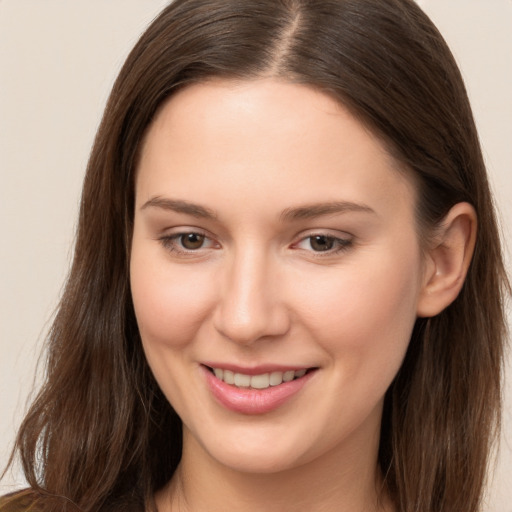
pixel 265 140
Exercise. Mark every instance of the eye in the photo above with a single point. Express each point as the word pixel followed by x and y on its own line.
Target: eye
pixel 191 241
pixel 321 243
pixel 186 242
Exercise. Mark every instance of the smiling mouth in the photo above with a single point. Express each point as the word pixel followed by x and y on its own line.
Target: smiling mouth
pixel 261 381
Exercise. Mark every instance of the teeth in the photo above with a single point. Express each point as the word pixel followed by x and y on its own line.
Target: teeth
pixel 288 376
pixel 276 378
pixel 242 381
pixel 229 377
pixel 262 381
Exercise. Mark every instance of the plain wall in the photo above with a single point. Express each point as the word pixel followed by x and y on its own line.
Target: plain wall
pixel 58 60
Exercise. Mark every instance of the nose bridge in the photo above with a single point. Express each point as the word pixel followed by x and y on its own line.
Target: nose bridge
pixel 250 305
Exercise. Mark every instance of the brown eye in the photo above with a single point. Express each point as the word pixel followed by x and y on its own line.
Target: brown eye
pixel 192 241
pixel 321 243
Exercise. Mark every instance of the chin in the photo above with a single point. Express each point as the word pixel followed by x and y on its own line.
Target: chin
pixel 257 461
pixel 254 451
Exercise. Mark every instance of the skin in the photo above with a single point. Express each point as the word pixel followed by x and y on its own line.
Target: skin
pixel 258 291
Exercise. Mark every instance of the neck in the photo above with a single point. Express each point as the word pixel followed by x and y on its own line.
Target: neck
pixel 343 480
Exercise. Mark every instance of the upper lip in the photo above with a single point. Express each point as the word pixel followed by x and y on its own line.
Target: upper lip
pixel 256 370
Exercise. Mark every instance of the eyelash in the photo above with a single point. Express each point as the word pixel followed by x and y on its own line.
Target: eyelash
pixel 170 242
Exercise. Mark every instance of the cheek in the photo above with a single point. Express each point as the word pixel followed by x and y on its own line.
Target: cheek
pixel 170 305
pixel 365 314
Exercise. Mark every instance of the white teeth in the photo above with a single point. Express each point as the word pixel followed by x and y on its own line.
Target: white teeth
pixel 229 377
pixel 276 378
pixel 288 376
pixel 242 381
pixel 262 381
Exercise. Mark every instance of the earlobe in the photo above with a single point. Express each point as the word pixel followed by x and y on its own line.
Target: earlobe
pixel 448 260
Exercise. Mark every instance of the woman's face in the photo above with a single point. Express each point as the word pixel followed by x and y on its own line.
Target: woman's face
pixel 273 237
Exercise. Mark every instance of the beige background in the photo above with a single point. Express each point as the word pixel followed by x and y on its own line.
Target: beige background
pixel 58 59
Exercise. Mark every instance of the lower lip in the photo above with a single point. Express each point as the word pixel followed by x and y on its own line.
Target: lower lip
pixel 253 401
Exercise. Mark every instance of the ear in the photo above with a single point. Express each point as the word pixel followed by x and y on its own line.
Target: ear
pixel 447 260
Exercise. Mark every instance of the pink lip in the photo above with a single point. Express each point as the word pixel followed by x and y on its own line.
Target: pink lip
pixel 253 401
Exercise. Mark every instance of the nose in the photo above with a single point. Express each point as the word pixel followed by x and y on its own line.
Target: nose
pixel 251 306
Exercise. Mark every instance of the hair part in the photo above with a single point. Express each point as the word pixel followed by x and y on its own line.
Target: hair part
pixel 101 433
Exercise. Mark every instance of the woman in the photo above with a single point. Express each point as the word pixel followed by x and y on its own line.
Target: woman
pixel 280 298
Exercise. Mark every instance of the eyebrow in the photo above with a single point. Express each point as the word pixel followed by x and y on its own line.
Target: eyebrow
pixel 308 211
pixel 180 206
pixel 311 211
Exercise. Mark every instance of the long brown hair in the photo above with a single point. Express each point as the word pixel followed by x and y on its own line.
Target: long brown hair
pixel 101 434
